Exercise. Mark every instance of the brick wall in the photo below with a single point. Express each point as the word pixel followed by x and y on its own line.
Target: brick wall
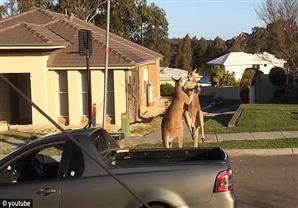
pixel 154 75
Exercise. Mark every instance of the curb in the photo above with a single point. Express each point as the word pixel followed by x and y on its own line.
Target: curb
pixel 262 152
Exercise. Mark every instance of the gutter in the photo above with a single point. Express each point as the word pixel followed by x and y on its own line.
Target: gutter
pixel 92 68
pixel 31 47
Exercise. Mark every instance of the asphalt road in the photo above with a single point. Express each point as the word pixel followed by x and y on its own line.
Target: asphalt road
pixel 266 182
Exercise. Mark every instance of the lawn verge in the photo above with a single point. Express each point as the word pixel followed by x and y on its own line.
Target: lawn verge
pixel 241 144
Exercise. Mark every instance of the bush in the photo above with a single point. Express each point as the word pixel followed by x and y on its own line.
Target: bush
pixel 167 89
pixel 220 77
pixel 246 81
pixel 277 76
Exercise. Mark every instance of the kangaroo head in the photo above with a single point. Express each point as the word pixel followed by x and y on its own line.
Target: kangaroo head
pixel 178 83
pixel 191 81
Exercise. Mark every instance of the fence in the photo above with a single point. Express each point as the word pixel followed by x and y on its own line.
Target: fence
pixel 227 93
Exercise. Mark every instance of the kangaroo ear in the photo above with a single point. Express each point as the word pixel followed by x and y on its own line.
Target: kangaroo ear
pixel 195 70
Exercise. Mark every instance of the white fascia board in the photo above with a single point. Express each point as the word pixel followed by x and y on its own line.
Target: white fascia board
pixel 92 68
pixel 31 47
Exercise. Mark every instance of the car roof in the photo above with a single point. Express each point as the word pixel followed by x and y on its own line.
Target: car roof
pixel 53 138
pixel 78 133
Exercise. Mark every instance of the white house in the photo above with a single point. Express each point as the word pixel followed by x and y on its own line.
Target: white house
pixel 237 62
pixel 167 73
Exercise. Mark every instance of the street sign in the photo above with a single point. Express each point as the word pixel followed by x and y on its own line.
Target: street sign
pixel 85 42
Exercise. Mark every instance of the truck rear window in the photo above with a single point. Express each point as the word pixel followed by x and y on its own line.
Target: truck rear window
pixel 103 141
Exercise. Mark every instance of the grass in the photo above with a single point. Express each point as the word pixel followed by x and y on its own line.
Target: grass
pixel 256 118
pixel 242 144
pixel 146 127
pixel 19 134
pixel 224 104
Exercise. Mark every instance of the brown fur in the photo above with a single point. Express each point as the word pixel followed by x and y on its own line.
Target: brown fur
pixel 172 124
pixel 194 115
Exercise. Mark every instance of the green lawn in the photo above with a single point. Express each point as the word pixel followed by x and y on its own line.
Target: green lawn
pixel 146 127
pixel 19 134
pixel 244 144
pixel 258 117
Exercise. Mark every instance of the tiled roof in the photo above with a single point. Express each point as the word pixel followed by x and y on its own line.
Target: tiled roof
pixel 40 27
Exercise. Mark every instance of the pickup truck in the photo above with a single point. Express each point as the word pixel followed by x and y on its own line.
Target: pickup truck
pixel 54 172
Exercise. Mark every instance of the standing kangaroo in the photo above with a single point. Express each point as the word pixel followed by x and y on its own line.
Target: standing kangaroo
pixel 172 124
pixel 194 115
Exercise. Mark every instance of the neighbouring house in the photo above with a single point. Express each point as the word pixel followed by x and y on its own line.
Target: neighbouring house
pixel 237 62
pixel 39 54
pixel 205 81
pixel 167 73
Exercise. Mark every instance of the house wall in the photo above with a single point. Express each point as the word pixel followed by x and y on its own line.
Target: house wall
pixel 97 80
pixel 35 65
pixel 75 97
pixel 120 95
pixel 154 74
pixel 142 89
pixel 153 70
pixel 239 69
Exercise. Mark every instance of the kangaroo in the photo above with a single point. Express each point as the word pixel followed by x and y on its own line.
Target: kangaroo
pixel 172 124
pixel 194 115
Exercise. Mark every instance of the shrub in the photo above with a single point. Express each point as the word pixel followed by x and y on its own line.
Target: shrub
pixel 246 81
pixel 220 77
pixel 167 89
pixel 277 76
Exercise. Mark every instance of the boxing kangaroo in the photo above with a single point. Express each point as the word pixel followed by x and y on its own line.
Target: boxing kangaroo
pixel 172 123
pixel 194 115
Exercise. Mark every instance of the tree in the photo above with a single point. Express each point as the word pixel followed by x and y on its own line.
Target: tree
pixel 174 44
pixel 144 24
pixel 200 55
pixel 184 56
pixel 25 5
pixel 237 44
pixel 220 77
pixel 155 35
pixel 83 9
pixel 245 83
pixel 281 18
pixel 123 18
pixel 277 76
pixel 216 48
pixel 9 8
pixel 257 41
pixel 217 75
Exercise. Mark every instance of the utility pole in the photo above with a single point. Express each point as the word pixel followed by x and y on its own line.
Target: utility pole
pixel 106 66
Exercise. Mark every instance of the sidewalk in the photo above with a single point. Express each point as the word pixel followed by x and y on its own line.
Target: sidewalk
pixel 155 137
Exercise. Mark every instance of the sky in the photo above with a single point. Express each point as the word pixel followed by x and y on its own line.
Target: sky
pixel 210 18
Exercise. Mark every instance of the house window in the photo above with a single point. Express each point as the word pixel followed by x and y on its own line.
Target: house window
pixel 256 66
pixel 63 93
pixel 110 96
pixel 84 93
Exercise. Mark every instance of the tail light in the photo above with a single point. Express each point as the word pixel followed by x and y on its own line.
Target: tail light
pixel 224 181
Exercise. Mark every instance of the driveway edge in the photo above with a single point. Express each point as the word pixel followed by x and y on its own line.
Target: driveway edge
pixel 262 152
